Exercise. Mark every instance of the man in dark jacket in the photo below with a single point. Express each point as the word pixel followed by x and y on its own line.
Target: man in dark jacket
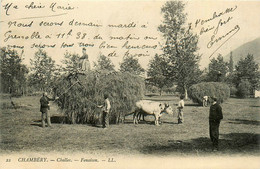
pixel 215 115
pixel 45 107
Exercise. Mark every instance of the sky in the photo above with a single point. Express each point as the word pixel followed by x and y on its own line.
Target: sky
pixel 231 24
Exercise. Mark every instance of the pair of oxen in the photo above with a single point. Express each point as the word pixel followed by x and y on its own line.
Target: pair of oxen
pixel 147 107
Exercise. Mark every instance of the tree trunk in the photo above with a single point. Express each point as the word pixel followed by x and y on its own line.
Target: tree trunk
pixel 73 119
pixel 186 93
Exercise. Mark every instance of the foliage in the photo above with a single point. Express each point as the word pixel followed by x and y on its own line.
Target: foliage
pixel 71 62
pixel 130 64
pixel 170 90
pixel 157 72
pixel 43 71
pixel 104 63
pixel 150 89
pixel 13 72
pixel 180 47
pixel 248 69
pixel 79 100
pixel 218 69
pixel 231 63
pixel 218 90
pixel 243 89
pixel 233 91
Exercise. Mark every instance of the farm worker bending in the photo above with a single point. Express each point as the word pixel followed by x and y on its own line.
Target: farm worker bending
pixel 215 115
pixel 205 101
pixel 180 110
pixel 45 107
pixel 106 109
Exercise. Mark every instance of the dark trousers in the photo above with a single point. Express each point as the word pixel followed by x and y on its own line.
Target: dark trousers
pixel 180 116
pixel 46 115
pixel 214 132
pixel 105 119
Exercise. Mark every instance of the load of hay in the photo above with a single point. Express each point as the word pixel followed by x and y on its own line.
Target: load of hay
pixel 80 94
pixel 221 91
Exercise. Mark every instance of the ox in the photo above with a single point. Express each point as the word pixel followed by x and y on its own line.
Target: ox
pixel 151 108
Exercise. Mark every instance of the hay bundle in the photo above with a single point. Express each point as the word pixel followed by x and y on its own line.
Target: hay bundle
pixel 213 89
pixel 80 95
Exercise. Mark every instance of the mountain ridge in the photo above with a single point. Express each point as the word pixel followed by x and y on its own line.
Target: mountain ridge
pixel 252 47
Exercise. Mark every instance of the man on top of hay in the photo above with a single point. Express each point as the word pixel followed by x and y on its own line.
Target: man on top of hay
pixel 84 62
pixel 45 107
pixel 106 109
pixel 215 115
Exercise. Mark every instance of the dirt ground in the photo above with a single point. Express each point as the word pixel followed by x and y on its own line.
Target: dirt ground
pixel 239 131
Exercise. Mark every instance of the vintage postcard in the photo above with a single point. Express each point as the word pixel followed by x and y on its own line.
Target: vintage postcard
pixel 129 84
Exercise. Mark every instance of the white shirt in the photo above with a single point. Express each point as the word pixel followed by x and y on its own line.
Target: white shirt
pixel 181 104
pixel 107 105
pixel 205 98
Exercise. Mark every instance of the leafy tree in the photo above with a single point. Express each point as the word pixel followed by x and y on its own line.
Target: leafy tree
pixel 43 71
pixel 157 73
pixel 104 63
pixel 180 47
pixel 218 69
pixel 130 64
pixel 243 89
pixel 248 69
pixel 13 72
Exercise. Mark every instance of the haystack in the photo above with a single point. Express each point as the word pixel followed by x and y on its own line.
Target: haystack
pixel 80 94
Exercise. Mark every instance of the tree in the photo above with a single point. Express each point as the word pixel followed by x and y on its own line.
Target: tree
pixel 243 88
pixel 12 72
pixel 218 69
pixel 104 63
pixel 231 63
pixel 43 71
pixel 130 64
pixel 157 73
pixel 247 68
pixel 180 47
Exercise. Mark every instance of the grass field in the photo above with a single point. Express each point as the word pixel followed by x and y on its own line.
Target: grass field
pixel 239 131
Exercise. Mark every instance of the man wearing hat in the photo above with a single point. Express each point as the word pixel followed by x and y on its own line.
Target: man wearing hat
pixel 215 116
pixel 45 107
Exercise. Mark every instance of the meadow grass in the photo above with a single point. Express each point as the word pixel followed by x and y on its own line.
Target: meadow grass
pixel 239 131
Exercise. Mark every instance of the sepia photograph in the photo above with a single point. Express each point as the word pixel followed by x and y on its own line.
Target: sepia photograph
pixel 129 84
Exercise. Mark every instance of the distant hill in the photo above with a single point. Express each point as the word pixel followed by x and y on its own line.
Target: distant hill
pixel 252 47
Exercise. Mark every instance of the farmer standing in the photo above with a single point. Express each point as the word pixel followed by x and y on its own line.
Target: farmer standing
pixel 215 115
pixel 45 107
pixel 106 109
pixel 180 109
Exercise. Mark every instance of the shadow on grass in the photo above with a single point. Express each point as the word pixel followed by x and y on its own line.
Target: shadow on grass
pixel 38 125
pixel 247 122
pixel 59 119
pixel 244 143
pixel 254 106
pixel 193 105
pixel 54 119
pixel 169 122
pixel 140 122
